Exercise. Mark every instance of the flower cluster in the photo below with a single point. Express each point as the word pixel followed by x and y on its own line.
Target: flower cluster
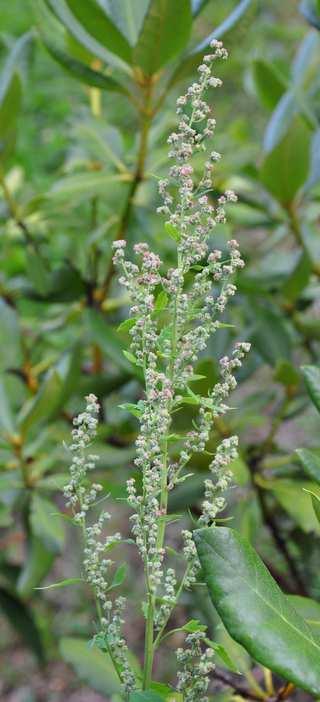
pixel 81 497
pixel 196 665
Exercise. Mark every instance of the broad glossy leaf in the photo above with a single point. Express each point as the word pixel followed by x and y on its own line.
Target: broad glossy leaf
pixel 21 618
pixel 254 610
pixel 310 462
pixel 99 26
pixel 92 665
pixel 268 82
pixel 46 525
pixel 311 376
pixel 309 610
pixel 310 10
pixel 164 34
pixel 37 564
pixel 286 167
pixel 128 16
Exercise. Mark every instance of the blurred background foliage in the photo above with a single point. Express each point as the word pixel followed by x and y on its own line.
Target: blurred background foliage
pixel 86 104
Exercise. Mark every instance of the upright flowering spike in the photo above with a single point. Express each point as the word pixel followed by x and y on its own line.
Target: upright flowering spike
pixel 174 313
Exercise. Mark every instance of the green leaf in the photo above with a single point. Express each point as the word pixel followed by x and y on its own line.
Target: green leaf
pixel 172 231
pixel 62 583
pixel 68 20
pixel 197 6
pixel 292 497
pixel 298 279
pixel 311 376
pixel 280 121
pixel 254 610
pixel 46 525
pixel 193 625
pixel 6 417
pixel 286 373
pixel 164 34
pixel 270 336
pixel 128 16
pixel 127 324
pixel 119 576
pixel 9 109
pixel 146 696
pixel 286 167
pixel 10 352
pixel 161 301
pixel 21 618
pixel 131 408
pixel 309 610
pixel 79 70
pixel 314 174
pixel 310 462
pixel 109 340
pixel 36 566
pixel 315 499
pixel 99 26
pixel 37 272
pixel 92 665
pixel 42 406
pixel 225 26
pixel 223 654
pixel 82 186
pixel 268 82
pixel 311 11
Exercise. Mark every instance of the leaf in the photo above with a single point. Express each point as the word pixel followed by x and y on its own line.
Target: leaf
pixel 80 71
pixel 192 626
pixel 60 9
pixel 280 121
pixel 309 610
pixel 311 376
pixel 224 27
pixel 172 231
pixel 91 665
pixel 62 583
pixel 315 499
pixel 286 374
pixel 9 109
pixel 107 338
pixel 10 352
pixel 286 167
pixel 46 525
pixel 81 186
pixel 310 10
pixel 161 301
pixel 268 82
pixel 36 566
pixel 270 336
pixel 298 280
pixel 21 618
pixel 42 406
pixel 292 497
pixel 6 417
pixel 99 26
pixel 223 654
pixel 119 576
pixel 254 610
pixel 314 173
pixel 164 34
pixel 310 462
pixel 127 324
pixel 128 16
pixel 197 6
pixel 37 272
pixel 146 696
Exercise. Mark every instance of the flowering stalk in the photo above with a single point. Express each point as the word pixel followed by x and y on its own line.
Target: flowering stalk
pixel 173 315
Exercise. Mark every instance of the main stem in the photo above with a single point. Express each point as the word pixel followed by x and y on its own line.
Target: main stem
pixel 149 631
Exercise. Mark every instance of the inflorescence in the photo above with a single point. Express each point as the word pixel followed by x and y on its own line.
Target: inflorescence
pixel 190 297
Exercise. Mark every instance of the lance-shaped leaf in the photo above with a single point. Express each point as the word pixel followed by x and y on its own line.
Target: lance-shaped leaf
pixel 98 25
pixel 128 16
pixel 310 462
pixel 286 167
pixel 91 664
pixel 254 610
pixel 165 32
